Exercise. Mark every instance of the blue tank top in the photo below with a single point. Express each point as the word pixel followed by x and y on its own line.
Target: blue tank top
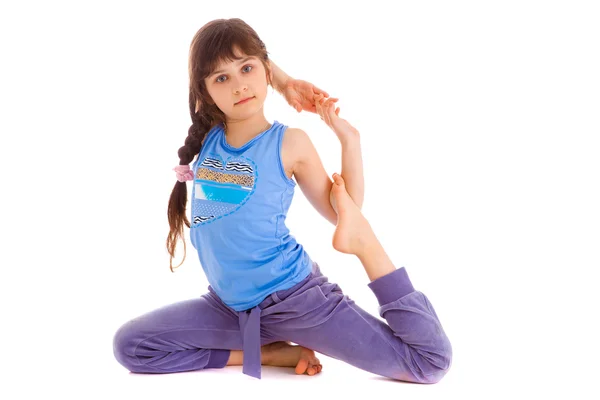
pixel 240 199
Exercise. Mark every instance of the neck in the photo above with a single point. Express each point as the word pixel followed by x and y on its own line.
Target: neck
pixel 244 128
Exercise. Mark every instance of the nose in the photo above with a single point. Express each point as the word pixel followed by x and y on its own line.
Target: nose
pixel 239 86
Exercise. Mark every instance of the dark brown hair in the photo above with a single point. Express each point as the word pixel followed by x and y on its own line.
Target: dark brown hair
pixel 212 44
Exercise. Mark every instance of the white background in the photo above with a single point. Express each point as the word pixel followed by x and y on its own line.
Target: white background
pixel 479 124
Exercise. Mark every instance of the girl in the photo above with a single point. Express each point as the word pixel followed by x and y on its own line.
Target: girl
pixel 265 291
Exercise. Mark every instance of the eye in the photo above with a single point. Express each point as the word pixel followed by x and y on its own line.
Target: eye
pixel 220 76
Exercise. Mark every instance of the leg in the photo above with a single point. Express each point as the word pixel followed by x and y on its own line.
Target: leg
pixel 353 234
pixel 412 346
pixel 189 335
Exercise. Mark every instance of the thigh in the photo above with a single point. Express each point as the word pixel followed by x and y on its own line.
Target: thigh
pixel 200 322
pixel 179 336
pixel 321 317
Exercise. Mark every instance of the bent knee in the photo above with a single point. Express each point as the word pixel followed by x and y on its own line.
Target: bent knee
pixel 431 367
pixel 440 368
pixel 436 376
pixel 124 344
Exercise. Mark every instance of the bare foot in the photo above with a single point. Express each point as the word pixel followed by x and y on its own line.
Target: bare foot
pixel 353 231
pixel 283 354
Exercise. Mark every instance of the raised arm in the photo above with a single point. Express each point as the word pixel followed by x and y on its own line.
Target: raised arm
pixel 352 164
pixel 279 77
pixel 299 94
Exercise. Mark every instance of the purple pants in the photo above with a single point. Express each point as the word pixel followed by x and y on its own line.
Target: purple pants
pixel 199 333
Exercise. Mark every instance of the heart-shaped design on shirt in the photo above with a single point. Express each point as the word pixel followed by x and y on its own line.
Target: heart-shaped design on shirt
pixel 221 187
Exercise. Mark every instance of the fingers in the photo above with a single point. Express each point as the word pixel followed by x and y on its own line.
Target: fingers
pixel 330 109
pixel 320 91
pixel 326 108
pixel 320 98
pixel 322 111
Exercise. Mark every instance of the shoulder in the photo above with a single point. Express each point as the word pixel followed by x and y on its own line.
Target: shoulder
pixel 293 137
pixel 293 142
pixel 292 145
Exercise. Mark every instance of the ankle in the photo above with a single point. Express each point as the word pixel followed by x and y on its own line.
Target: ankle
pixel 365 244
pixel 266 357
pixel 236 357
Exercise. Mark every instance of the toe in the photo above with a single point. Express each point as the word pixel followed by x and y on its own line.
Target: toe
pixel 301 366
pixel 337 178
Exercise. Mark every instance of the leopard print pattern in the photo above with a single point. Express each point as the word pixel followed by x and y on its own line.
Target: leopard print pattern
pixel 210 175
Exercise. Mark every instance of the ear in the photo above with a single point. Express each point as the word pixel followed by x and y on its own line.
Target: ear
pixel 269 71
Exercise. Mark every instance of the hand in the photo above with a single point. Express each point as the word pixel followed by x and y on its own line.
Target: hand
pixel 300 95
pixel 328 113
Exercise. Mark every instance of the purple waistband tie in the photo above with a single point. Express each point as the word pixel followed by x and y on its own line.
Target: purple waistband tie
pixel 250 329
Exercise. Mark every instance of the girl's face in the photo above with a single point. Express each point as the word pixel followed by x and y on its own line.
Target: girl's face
pixel 233 82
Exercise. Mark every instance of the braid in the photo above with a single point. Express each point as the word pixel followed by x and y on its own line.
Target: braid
pixel 176 212
pixel 196 132
pixel 193 144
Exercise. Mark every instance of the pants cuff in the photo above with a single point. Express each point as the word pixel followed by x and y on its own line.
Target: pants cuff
pixel 392 286
pixel 218 358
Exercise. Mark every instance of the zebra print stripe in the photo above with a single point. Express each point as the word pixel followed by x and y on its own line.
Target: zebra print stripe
pixel 239 167
pixel 198 219
pixel 231 166
pixel 211 162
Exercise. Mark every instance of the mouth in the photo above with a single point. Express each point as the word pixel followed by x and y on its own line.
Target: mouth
pixel 244 101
